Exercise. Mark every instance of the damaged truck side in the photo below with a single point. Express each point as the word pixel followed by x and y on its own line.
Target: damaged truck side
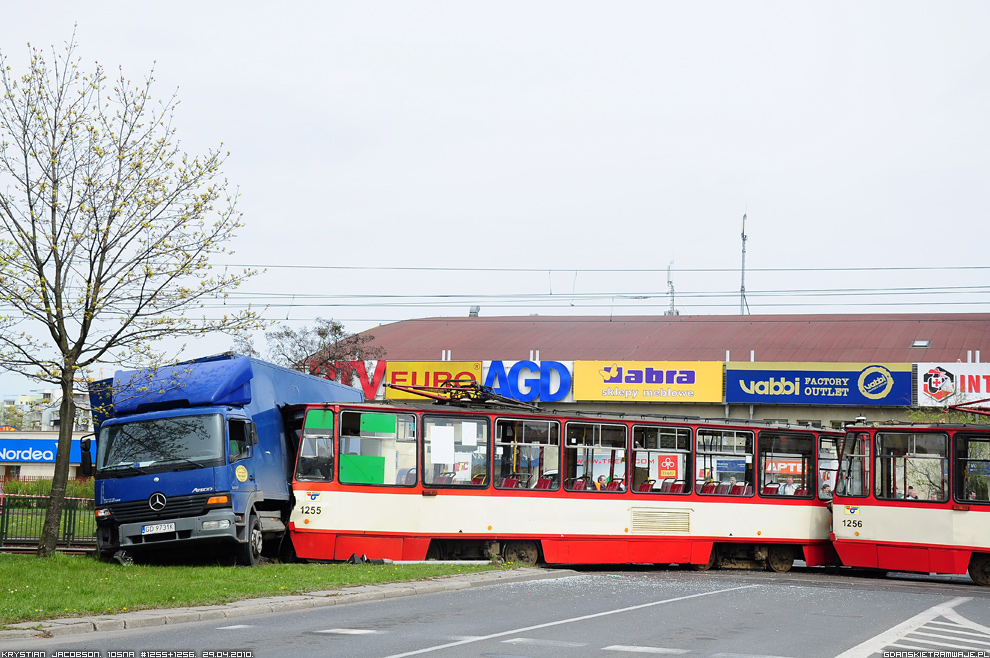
pixel 199 455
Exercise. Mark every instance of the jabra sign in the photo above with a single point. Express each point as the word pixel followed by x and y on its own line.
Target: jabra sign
pixel 528 381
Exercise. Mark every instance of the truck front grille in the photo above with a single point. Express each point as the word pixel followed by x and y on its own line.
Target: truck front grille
pixel 175 507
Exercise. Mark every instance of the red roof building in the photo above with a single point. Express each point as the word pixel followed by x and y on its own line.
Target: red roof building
pixel 868 338
pixel 874 338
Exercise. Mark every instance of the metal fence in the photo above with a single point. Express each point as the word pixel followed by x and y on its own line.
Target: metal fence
pixel 22 518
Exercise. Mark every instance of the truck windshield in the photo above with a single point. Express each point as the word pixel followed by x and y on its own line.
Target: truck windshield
pixel 183 440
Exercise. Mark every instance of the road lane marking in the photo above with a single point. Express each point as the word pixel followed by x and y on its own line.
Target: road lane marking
pixel 234 627
pixel 349 631
pixel 630 648
pixel 545 643
pixel 517 631
pixel 890 637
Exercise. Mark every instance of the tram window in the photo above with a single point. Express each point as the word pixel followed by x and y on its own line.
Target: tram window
pixel 661 458
pixel 972 469
pixel 595 457
pixel 854 465
pixel 787 464
pixel 725 461
pixel 377 448
pixel 912 466
pixel 315 462
pixel 455 451
pixel 828 465
pixel 527 454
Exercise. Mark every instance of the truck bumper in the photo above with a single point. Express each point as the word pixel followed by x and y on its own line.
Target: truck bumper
pixel 220 525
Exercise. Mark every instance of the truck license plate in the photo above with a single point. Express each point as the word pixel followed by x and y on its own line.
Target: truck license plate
pixel 157 528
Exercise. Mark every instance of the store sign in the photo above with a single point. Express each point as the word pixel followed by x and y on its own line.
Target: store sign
pixel 21 451
pixel 365 375
pixel 427 373
pixel 941 384
pixel 530 381
pixel 855 384
pixel 648 381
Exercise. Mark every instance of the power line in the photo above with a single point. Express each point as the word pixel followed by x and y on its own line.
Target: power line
pixel 569 270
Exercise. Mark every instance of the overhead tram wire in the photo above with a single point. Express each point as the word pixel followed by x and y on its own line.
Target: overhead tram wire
pixel 568 270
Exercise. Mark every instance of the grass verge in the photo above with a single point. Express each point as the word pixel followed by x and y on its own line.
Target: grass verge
pixel 70 586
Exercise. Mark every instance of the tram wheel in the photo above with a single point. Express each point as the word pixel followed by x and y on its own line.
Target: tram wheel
pixel 780 558
pixel 521 552
pixel 712 558
pixel 979 569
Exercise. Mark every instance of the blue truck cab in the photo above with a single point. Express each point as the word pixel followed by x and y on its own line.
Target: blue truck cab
pixel 200 453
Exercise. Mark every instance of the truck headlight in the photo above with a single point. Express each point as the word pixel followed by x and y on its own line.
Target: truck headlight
pixel 102 514
pixel 216 525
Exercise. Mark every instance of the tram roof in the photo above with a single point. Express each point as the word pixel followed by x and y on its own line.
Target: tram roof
pixel 574 414
pixel 875 338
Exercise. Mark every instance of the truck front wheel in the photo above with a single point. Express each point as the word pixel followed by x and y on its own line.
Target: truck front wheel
pixel 249 553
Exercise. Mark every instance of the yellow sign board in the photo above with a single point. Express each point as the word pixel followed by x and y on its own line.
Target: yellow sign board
pixel 426 373
pixel 648 381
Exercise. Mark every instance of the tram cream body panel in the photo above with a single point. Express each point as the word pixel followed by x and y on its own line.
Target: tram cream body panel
pixel 912 525
pixel 971 528
pixel 450 514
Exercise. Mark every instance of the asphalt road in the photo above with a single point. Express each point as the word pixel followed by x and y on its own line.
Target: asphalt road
pixel 730 614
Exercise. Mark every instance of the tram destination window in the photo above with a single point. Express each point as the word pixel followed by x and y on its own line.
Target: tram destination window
pixel 455 451
pixel 854 465
pixel 725 462
pixel 527 454
pixel 315 462
pixel 595 457
pixel 377 448
pixel 828 464
pixel 912 466
pixel 972 469
pixel 661 460
pixel 787 464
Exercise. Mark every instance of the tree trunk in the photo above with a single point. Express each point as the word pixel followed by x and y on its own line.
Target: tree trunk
pixel 56 502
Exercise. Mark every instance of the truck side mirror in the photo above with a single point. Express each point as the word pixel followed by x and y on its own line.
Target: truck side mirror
pixel 86 459
pixel 252 434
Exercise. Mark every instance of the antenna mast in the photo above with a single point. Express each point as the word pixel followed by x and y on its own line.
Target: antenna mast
pixel 670 287
pixel 743 305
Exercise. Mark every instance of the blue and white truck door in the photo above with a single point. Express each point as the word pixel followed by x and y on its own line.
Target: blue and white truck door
pixel 241 446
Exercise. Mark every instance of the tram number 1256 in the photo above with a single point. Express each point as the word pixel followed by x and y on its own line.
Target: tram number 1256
pixel 852 523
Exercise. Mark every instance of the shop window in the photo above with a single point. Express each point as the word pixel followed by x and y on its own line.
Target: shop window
pixel 377 448
pixel 725 461
pixel 595 457
pixel 912 466
pixel 455 451
pixel 527 454
pixel 787 464
pixel 661 459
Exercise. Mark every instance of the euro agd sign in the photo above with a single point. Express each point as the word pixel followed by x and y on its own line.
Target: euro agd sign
pixel 854 384
pixel 648 381
pixel 427 373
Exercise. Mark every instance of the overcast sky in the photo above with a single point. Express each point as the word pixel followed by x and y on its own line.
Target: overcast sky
pixel 569 138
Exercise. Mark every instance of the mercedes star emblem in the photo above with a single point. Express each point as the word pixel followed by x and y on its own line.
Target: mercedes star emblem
pixel 157 501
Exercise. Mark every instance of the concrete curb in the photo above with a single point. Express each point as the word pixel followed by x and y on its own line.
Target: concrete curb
pixel 249 607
